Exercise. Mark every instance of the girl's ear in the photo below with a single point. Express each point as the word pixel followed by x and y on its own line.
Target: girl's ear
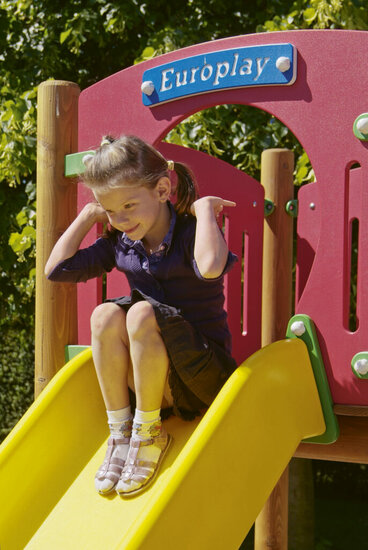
pixel 163 188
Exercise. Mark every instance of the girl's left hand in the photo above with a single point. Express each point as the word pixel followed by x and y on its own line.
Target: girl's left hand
pixel 215 203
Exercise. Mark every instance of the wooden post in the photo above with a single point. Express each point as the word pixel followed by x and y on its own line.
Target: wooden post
pixel 56 314
pixel 277 178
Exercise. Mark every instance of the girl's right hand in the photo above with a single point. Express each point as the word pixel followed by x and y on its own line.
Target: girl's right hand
pixel 95 211
pixel 70 240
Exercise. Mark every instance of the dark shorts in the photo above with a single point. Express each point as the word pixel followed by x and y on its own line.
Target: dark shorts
pixel 198 366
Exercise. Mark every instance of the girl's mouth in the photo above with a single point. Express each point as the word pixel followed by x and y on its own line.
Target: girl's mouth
pixel 131 230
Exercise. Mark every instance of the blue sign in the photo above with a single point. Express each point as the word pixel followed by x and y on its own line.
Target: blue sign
pixel 267 65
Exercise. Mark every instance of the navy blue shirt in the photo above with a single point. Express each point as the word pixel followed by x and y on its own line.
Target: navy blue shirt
pixel 170 275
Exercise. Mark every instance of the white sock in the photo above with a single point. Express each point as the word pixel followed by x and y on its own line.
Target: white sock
pixel 117 418
pixel 143 420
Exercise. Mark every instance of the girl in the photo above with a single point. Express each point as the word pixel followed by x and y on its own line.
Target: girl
pixel 169 341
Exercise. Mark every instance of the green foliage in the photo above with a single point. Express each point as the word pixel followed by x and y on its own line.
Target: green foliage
pixel 18 135
pixel 16 376
pixel 320 14
pixel 23 240
pixel 238 134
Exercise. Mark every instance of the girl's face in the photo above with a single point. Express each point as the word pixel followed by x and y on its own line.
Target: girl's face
pixel 141 213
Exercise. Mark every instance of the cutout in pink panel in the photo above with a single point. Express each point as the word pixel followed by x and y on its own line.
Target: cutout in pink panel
pixel 353 319
pixel 354 199
pixel 245 283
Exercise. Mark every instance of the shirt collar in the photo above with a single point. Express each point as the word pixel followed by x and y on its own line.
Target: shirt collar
pixel 166 242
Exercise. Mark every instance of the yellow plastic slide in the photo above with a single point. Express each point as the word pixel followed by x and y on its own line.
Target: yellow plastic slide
pixel 213 483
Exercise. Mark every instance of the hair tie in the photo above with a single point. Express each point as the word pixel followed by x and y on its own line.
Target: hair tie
pixel 170 165
pixel 105 141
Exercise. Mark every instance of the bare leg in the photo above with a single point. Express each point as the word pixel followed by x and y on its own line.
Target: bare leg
pixel 110 350
pixel 150 361
pixel 149 357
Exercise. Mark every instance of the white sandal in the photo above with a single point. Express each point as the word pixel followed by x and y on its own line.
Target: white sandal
pixel 137 470
pixel 112 466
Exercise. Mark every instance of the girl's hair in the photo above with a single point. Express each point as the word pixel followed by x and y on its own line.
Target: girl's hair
pixel 130 160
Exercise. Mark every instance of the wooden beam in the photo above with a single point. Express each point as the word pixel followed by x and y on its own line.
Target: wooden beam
pixel 350 410
pixel 57 135
pixel 352 445
pixel 277 178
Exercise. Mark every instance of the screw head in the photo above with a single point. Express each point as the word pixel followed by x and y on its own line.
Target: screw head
pixel 360 127
pixel 283 64
pixel 148 87
pixel 298 328
pixel 361 367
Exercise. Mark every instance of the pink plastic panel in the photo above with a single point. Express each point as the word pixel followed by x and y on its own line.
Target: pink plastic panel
pixel 324 269
pixel 320 109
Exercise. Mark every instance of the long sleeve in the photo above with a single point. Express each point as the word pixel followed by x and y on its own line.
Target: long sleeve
pixel 86 264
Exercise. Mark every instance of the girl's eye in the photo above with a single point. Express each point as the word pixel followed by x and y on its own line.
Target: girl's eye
pixel 128 205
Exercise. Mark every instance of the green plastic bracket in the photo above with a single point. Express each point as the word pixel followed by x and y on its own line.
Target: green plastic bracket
pixel 74 166
pixel 292 208
pixel 72 351
pixel 269 207
pixel 360 127
pixel 301 326
pixel 359 364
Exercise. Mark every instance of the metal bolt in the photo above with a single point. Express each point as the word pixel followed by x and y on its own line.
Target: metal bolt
pixel 148 87
pixel 283 64
pixel 362 125
pixel 312 206
pixel 361 367
pixel 254 204
pixel 298 328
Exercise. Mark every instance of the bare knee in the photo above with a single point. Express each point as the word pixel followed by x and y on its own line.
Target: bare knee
pixel 108 319
pixel 141 320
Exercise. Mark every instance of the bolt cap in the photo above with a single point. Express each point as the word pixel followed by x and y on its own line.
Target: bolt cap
pixel 148 87
pixel 362 125
pixel 298 328
pixel 361 367
pixel 283 64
